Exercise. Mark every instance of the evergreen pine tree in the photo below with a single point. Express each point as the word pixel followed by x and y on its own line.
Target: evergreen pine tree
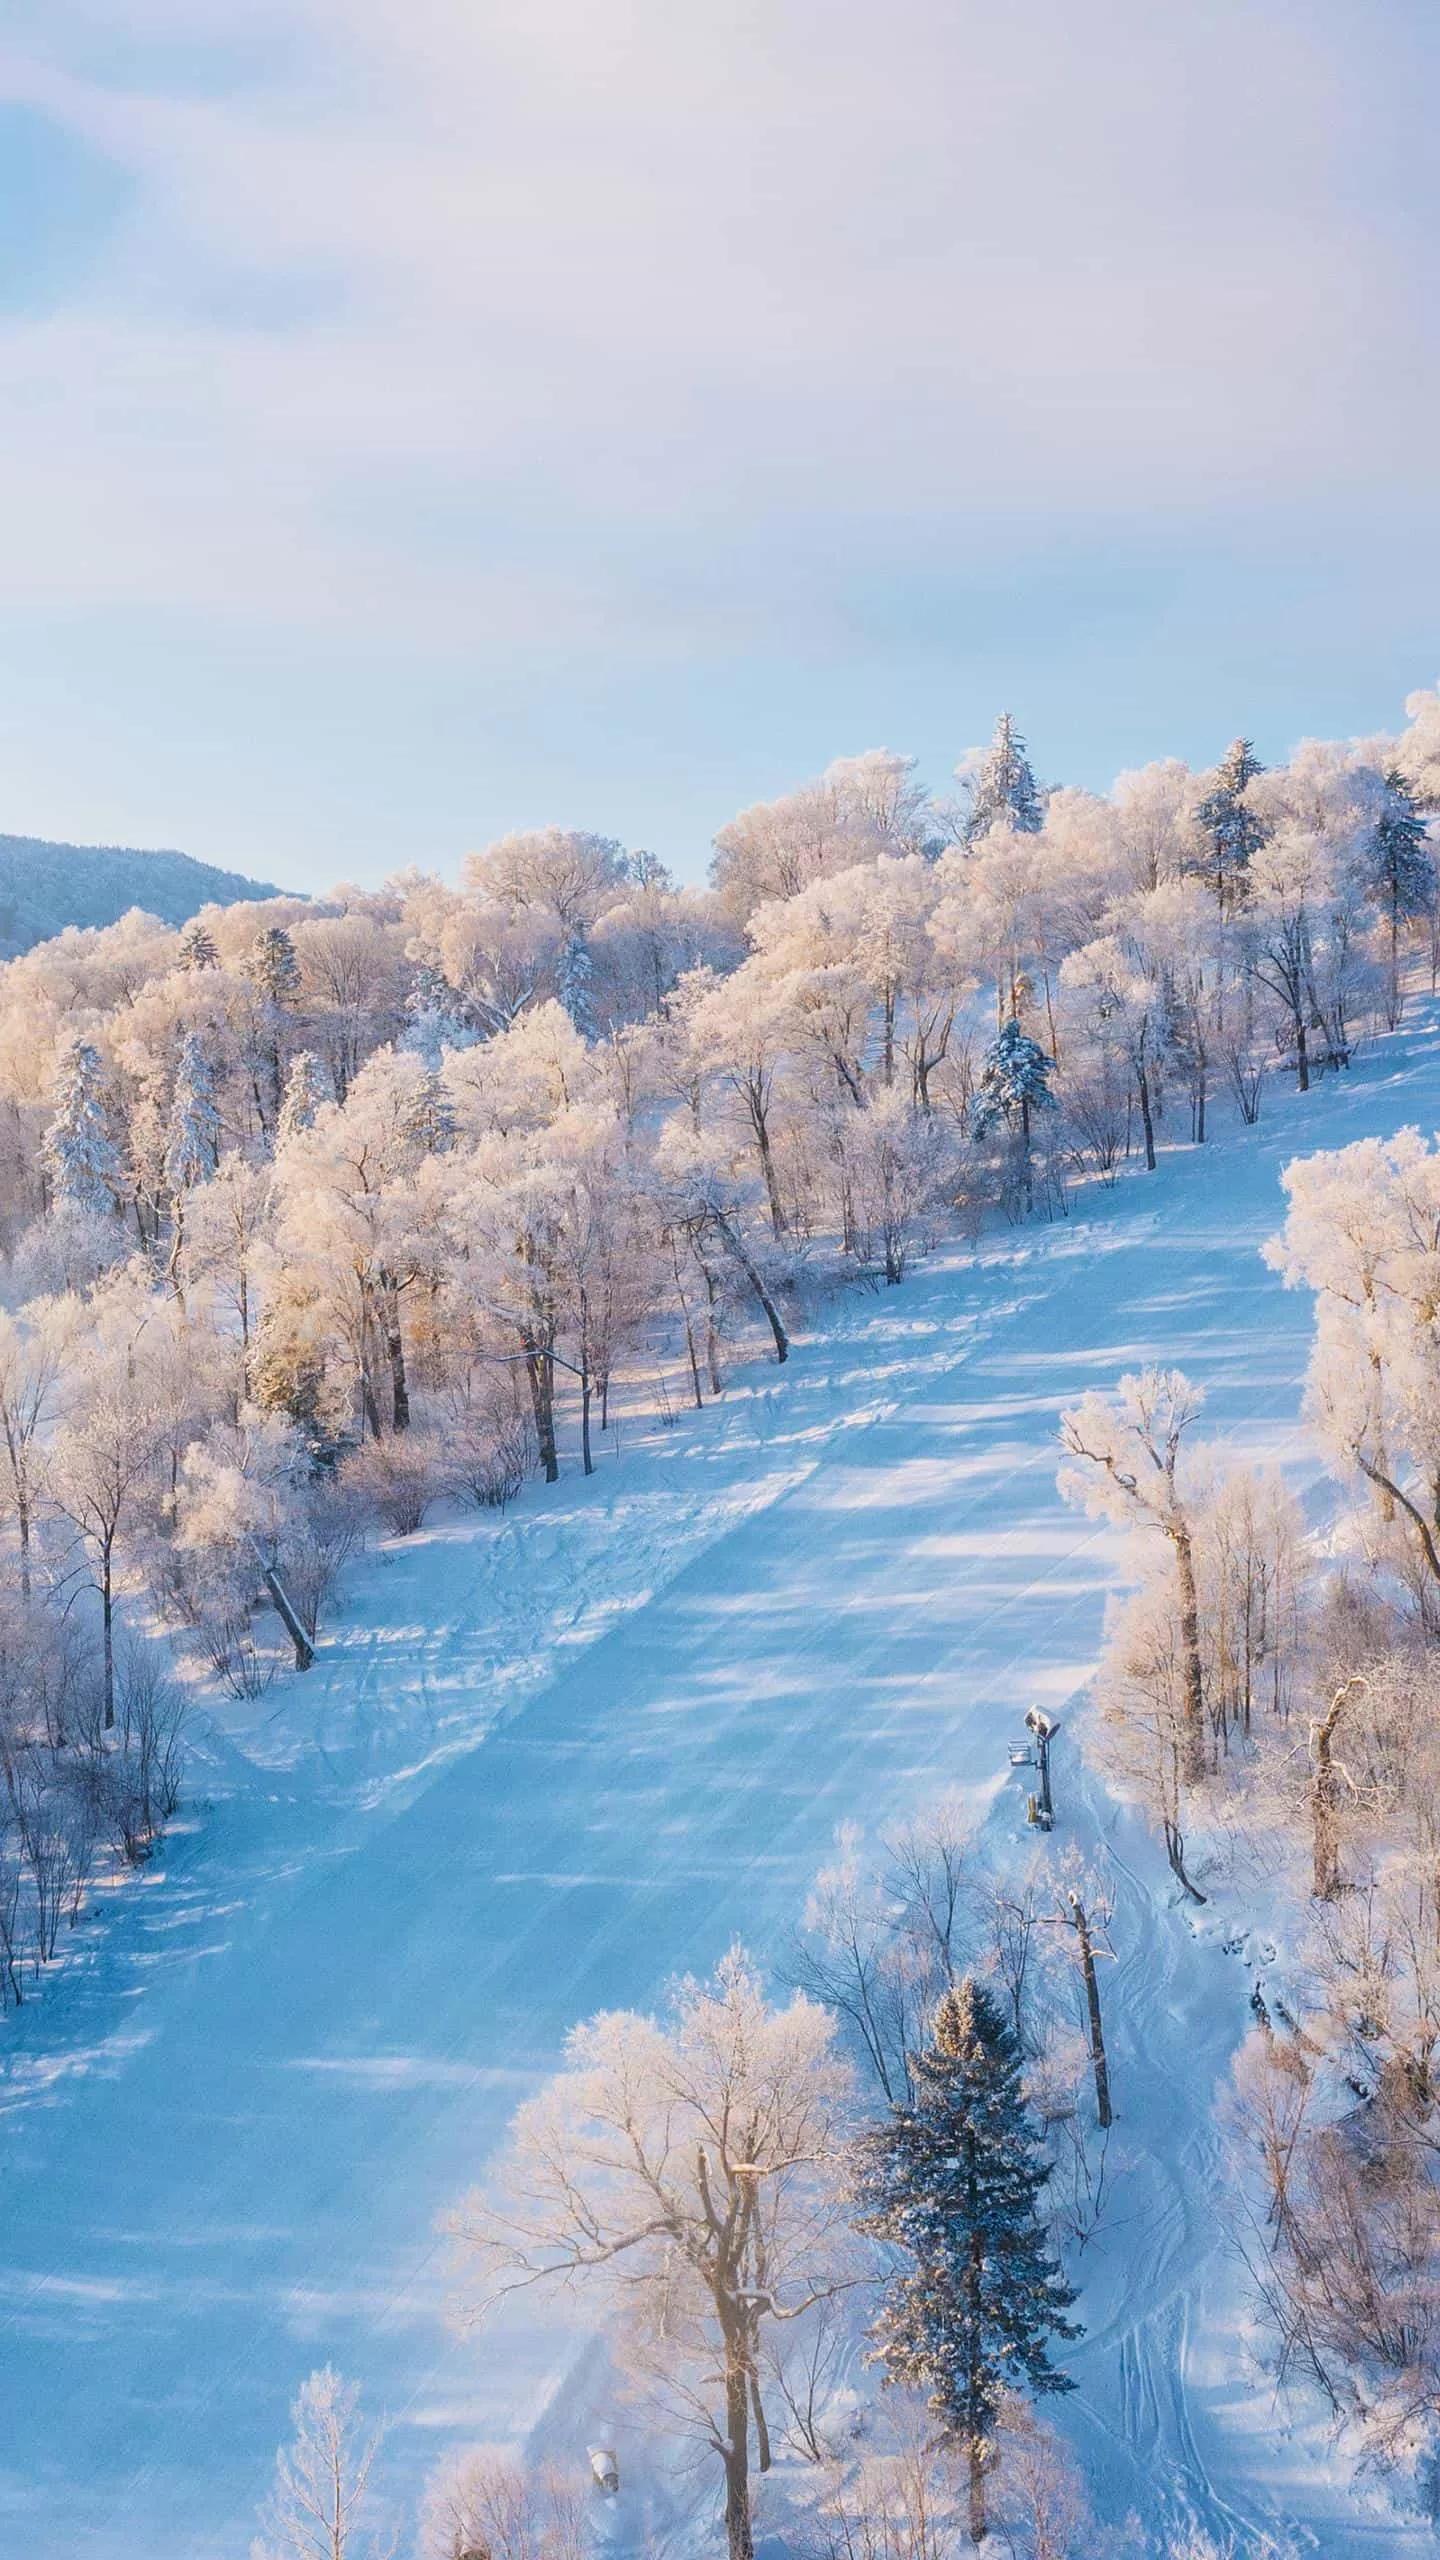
pixel 575 980
pixel 79 1154
pixel 304 1093
pixel 953 2180
pixel 1233 832
pixel 197 948
pixel 1014 1081
pixel 431 1118
pixel 273 966
pixel 192 1148
pixel 1003 793
pixel 1400 870
pixel 434 1017
pixel 275 971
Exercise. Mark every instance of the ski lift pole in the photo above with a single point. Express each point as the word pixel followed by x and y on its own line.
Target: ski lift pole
pixel 1043 1728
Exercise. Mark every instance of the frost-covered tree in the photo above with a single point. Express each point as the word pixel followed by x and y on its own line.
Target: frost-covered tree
pixel 434 1016
pixel 192 1141
pixel 1158 824
pixel 274 972
pixel 1292 879
pixel 697 1193
pixel 954 2179
pixel 686 2169
pixel 860 808
pixel 1014 1084
pixel 1231 829
pixel 34 1347
pixel 1363 1232
pixel 103 1459
pixel 198 947
pixel 319 2505
pixel 899 1165
pixel 739 1030
pixel 485 2501
pixel 1001 785
pixel 563 869
pixel 305 1090
pixel 272 965
pixel 354 1208
pixel 79 1153
pixel 575 983
pixel 1399 870
pixel 1124 1452
pixel 226 1223
pixel 1125 1000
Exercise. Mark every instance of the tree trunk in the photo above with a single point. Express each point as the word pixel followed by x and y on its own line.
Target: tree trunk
pixel 739 2539
pixel 762 2430
pixel 767 1167
pixel 1081 1923
pixel 1324 1799
pixel 730 1238
pixel 107 1616
pixel 1147 1121
pixel 1194 1708
pixel 368 1401
pixel 689 1328
pixel 587 1463
pixel 395 1353
pixel 539 1369
pixel 1175 1852
pixel 974 2378
pixel 284 1611
pixel 978 2527
pixel 1302 1052
pixel 712 1333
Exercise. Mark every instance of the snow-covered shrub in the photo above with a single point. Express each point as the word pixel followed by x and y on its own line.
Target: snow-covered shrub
pixel 395 1480
pixel 331 1526
pixel 489 1441
pixel 487 2501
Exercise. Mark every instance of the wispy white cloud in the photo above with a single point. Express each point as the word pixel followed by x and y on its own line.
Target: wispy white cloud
pixel 595 334
pixel 451 267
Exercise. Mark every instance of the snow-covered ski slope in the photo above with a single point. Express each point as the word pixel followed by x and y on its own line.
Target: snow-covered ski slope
pixel 229 2131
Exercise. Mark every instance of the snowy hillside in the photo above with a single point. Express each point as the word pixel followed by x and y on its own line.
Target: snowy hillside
pixel 546 1761
pixel 45 887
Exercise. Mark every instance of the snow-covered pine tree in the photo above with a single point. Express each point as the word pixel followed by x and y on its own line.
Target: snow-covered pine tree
pixel 954 2179
pixel 435 1016
pixel 272 964
pixel 575 984
pixel 80 1156
pixel 1003 792
pixel 1232 831
pixel 274 970
pixel 430 1119
pixel 1399 871
pixel 1014 1081
pixel 197 948
pixel 192 1139
pixel 192 1146
pixel 304 1093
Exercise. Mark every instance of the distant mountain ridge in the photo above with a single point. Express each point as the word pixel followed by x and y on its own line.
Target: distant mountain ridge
pixel 44 887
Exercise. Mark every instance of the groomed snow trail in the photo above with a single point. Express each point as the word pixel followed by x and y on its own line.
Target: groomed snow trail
pixel 228 2139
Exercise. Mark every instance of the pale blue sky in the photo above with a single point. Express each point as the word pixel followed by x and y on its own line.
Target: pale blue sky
pixel 422 420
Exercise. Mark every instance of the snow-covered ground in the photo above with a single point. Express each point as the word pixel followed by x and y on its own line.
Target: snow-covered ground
pixel 543 1763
